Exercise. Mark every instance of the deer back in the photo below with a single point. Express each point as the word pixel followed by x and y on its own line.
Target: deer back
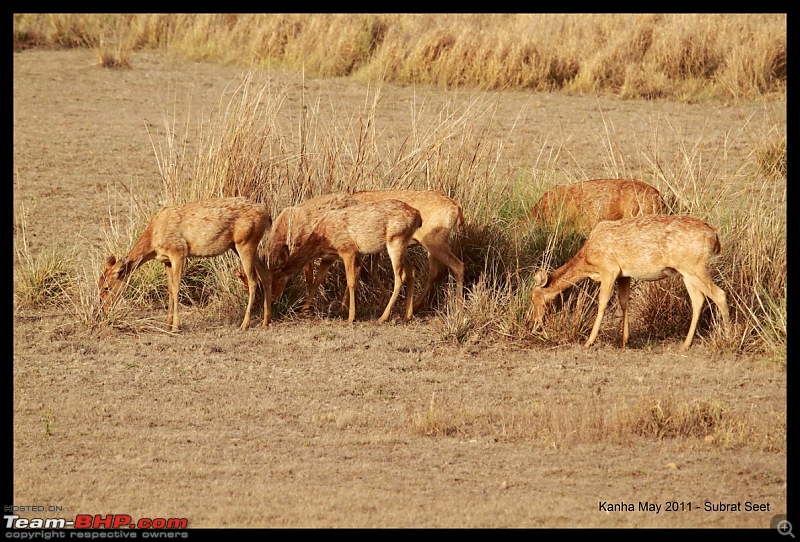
pixel 626 198
pixel 648 247
pixel 438 211
pixel 291 243
pixel 208 227
pixel 585 204
pixel 366 228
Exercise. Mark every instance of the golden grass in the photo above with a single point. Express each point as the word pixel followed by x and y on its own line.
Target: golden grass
pixel 565 422
pixel 241 150
pixel 680 56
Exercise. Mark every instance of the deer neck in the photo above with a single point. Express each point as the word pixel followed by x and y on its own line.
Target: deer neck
pixel 567 275
pixel 143 251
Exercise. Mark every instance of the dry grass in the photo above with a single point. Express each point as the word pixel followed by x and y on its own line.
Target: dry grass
pixel 564 422
pixel 677 56
pixel 43 279
pixel 241 148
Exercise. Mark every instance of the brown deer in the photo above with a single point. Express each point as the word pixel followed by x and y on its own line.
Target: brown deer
pixel 203 229
pixel 645 248
pixel 347 233
pixel 441 216
pixel 291 229
pixel 584 204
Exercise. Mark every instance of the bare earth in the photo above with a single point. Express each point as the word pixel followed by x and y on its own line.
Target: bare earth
pixel 314 423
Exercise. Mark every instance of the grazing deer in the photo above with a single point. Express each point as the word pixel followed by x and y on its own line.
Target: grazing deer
pixel 204 229
pixel 441 216
pixel 645 248
pixel 346 233
pixel 291 229
pixel 586 203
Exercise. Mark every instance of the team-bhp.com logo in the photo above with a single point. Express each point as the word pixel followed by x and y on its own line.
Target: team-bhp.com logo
pixel 97 521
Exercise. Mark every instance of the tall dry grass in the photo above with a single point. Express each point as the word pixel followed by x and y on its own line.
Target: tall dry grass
pixel 680 56
pixel 251 145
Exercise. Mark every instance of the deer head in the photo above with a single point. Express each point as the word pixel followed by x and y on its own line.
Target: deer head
pixel 111 280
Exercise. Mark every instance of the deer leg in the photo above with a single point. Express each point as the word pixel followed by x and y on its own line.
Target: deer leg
pixel 265 277
pixel 267 286
pixel 434 270
pixel 717 295
pixel 439 257
pixel 312 286
pixel 357 273
pixel 278 285
pixel 408 278
pixel 696 295
pixel 177 274
pixel 248 257
pixel 624 294
pixel 350 269
pixel 168 272
pixel 397 254
pixel 606 289
pixel 446 256
pixel 308 271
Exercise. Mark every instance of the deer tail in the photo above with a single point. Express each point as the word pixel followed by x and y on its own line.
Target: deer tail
pixel 717 245
pixel 460 219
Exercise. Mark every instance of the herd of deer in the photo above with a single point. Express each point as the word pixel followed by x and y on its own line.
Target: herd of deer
pixel 630 235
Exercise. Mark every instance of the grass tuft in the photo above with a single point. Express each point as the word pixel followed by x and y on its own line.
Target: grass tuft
pixel 560 422
pixel 42 279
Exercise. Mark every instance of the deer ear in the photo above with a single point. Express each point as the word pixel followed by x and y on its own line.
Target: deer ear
pixel 540 278
pixel 110 261
pixel 119 267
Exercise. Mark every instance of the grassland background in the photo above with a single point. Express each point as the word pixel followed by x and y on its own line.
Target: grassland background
pixel 677 56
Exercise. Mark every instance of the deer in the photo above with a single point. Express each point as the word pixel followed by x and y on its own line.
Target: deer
pixel 292 228
pixel 586 203
pixel 348 233
pixel 441 217
pixel 647 248
pixel 204 229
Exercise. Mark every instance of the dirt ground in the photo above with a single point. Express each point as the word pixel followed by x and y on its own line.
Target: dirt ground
pixel 314 423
